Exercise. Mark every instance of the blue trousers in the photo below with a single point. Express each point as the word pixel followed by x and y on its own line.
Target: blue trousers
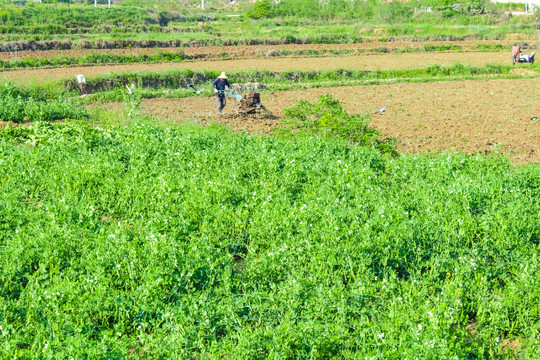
pixel 220 101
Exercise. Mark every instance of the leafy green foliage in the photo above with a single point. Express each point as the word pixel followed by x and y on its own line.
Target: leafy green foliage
pixel 381 12
pixel 180 78
pixel 328 118
pixel 56 18
pixel 18 104
pixel 132 101
pixel 93 59
pixel 173 23
pixel 261 9
pixel 184 242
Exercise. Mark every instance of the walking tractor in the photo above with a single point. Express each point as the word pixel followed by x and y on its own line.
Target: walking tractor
pixel 249 104
pixel 526 58
pixel 518 57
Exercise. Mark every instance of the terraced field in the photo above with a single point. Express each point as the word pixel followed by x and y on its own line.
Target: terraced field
pixel 356 62
pixel 471 116
pixel 257 50
pixel 306 231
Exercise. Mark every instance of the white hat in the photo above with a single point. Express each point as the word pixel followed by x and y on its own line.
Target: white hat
pixel 222 76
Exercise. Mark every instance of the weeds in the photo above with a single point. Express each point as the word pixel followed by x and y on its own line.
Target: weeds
pixel 132 101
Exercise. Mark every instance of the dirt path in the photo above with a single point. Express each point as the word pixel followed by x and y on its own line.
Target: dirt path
pixel 357 62
pixel 469 116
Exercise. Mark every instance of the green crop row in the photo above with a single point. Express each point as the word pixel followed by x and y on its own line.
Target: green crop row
pixel 180 78
pixel 268 35
pixel 18 104
pixel 89 44
pixel 197 39
pixel 53 29
pixel 92 59
pixel 181 242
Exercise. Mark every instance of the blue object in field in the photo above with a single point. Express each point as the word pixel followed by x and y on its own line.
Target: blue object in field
pixel 234 94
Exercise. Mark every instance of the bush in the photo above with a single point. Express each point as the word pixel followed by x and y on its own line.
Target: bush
pixel 328 118
pixel 261 9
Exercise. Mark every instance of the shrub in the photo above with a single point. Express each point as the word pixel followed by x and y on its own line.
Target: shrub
pixel 261 9
pixel 328 118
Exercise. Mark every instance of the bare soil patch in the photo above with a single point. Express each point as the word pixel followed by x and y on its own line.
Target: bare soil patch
pixel 3 124
pixel 523 72
pixel 468 116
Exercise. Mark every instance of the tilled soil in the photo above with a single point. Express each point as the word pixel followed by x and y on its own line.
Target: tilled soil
pixel 357 62
pixel 250 51
pixel 469 116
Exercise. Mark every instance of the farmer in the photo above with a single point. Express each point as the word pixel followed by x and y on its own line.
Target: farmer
pixel 515 53
pixel 219 85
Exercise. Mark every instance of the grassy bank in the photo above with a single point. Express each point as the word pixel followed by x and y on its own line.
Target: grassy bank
pixel 246 34
pixel 230 32
pixel 290 21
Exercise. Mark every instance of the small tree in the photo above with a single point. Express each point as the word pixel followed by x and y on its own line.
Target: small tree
pixel 261 9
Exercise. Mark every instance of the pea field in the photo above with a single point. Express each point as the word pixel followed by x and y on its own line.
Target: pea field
pixel 136 223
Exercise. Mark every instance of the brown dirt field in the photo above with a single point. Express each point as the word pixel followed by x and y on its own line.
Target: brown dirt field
pixel 247 51
pixel 468 116
pixel 357 62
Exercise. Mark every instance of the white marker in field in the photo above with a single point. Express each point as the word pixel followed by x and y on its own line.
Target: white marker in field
pixel 81 79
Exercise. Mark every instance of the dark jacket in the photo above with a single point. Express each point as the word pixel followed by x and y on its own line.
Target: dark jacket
pixel 220 85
